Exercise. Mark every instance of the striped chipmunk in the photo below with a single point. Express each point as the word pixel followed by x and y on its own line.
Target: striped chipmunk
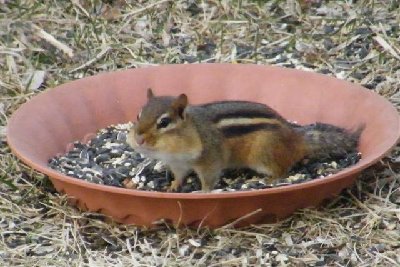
pixel 212 137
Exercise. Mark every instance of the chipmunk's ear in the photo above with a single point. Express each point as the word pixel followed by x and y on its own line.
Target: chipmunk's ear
pixel 179 105
pixel 149 94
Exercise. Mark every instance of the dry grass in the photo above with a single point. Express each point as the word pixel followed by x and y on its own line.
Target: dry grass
pixel 45 43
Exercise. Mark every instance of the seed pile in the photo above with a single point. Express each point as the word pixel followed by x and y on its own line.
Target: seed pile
pixel 108 159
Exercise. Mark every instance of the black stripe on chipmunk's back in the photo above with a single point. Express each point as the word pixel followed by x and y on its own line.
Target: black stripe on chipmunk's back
pixel 243 113
pixel 239 109
pixel 239 130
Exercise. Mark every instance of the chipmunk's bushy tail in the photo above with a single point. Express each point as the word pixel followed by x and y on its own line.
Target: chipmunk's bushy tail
pixel 328 141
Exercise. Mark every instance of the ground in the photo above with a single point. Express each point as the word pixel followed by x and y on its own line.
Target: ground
pixel 49 42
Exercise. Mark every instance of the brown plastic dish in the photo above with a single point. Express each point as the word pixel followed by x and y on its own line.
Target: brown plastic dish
pixel 44 126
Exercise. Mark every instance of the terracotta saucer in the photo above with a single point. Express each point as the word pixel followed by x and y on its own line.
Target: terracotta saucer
pixel 44 126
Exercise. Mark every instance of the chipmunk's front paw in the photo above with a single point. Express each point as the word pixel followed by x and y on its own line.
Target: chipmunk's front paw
pixel 206 189
pixel 175 184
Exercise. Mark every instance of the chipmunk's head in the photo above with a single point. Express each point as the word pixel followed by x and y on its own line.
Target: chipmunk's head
pixel 159 121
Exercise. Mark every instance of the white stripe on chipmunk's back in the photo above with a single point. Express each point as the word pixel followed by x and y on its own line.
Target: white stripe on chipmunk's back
pixel 244 121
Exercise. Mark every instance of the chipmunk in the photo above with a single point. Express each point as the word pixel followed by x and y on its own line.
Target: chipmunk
pixel 212 137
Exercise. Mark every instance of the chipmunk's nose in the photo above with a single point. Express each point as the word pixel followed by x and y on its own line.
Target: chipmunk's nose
pixel 139 139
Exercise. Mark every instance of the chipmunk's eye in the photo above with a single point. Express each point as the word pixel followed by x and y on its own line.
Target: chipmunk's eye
pixel 164 122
